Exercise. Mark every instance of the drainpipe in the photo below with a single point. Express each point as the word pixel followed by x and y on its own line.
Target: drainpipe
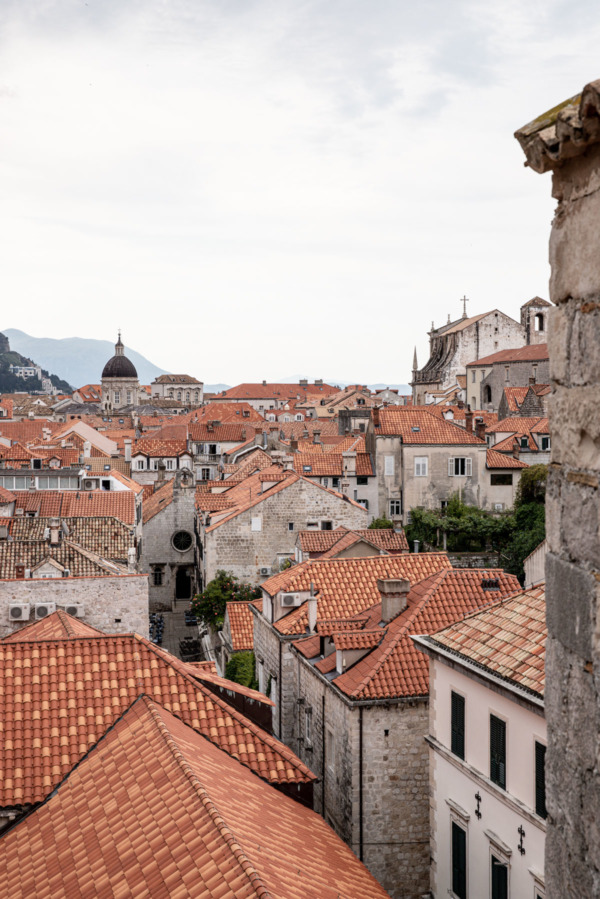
pixel 323 757
pixel 279 687
pixel 360 782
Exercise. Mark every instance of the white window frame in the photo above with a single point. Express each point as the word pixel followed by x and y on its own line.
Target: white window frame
pixel 452 465
pixel 421 466
pixel 388 466
pixel 256 523
pixel 397 503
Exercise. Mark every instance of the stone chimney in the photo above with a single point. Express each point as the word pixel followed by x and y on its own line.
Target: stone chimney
pixel 349 464
pixel 394 596
pixel 54 531
pixel 127 445
pixel 469 422
pixel 294 445
pixel 480 429
pixel 131 560
pixel 312 610
pixel 375 417
pixel 316 436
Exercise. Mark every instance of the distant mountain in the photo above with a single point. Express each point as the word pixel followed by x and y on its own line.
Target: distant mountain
pixel 12 383
pixel 79 360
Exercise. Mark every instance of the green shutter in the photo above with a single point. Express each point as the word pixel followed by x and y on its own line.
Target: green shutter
pixel 499 879
pixel 459 861
pixel 540 780
pixel 498 751
pixel 458 725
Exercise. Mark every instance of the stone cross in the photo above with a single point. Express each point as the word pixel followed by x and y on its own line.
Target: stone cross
pixel 464 301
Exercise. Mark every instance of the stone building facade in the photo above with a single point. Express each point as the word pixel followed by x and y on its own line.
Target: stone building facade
pixel 168 543
pixel 183 388
pixel 517 367
pixel 566 141
pixel 120 384
pixel 115 605
pixel 252 542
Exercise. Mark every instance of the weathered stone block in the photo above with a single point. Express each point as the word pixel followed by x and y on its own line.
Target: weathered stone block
pixel 571 598
pixel 576 441
pixel 559 329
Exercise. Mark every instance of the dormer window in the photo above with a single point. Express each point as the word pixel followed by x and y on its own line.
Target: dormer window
pixel 307 469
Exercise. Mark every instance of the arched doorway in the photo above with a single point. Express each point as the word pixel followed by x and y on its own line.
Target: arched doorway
pixel 183 583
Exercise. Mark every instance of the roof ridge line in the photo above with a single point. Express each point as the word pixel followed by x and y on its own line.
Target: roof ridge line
pixel 224 829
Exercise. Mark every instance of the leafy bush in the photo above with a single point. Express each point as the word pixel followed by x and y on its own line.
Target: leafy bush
pixel 381 524
pixel 240 668
pixel 210 604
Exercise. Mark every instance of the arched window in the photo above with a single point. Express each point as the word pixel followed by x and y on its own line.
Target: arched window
pixel 539 322
pixel 487 394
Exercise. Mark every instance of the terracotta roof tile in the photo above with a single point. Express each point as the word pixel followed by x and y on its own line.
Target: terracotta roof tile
pixel 532 353
pixel 495 459
pixel 241 625
pixel 57 626
pixel 77 504
pixel 422 427
pixel 155 810
pixel 509 638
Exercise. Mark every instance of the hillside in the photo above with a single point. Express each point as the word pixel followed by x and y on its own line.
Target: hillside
pixel 12 383
pixel 77 359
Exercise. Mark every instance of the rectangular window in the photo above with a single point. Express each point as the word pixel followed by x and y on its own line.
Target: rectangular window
pixel 458 724
pixel 335 483
pixel 170 464
pixel 540 780
pixel 545 443
pixel 420 466
pixel 308 727
pixel 473 376
pixel 205 474
pixel 501 480
pixel 389 466
pixel 290 525
pixel 459 861
pixel 361 481
pixel 140 463
pixel 325 482
pixel 395 508
pixel 157 577
pixel 329 749
pixel 499 879
pixel 326 526
pixel 460 466
pixel 507 373
pixel 257 524
pixel 498 751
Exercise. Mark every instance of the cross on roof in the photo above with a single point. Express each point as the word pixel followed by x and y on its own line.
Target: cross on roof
pixel 464 301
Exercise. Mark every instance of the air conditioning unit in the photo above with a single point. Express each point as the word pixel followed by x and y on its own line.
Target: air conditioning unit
pixel 88 484
pixel 265 572
pixel 75 611
pixel 289 600
pixel 43 609
pixel 18 611
pixel 66 572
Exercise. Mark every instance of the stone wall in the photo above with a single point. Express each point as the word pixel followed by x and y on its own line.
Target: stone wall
pixel 236 547
pixel 158 549
pixel 519 374
pixel 116 605
pixel 573 564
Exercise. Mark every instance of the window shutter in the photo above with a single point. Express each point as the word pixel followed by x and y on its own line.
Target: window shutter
pixel 450 468
pixel 458 725
pixel 459 861
pixel 499 879
pixel 540 780
pixel 469 467
pixel 498 751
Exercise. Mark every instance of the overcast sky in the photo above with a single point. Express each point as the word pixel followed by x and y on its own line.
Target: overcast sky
pixel 262 188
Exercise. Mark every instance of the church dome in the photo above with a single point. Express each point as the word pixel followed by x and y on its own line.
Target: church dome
pixel 119 366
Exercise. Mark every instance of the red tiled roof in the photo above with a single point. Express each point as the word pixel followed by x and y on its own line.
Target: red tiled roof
pixel 516 395
pixel 241 625
pixel 419 426
pixel 362 639
pixel 347 587
pixel 227 432
pixel 57 626
pixel 386 539
pixel 330 464
pixel 515 424
pixel 396 668
pixel 77 504
pixel 495 459
pixel 159 500
pixel 6 496
pixel 276 391
pixel 72 690
pixel 152 446
pixel 509 638
pixel 532 353
pixel 155 810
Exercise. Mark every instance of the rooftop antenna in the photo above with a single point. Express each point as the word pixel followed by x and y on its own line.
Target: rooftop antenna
pixel 464 301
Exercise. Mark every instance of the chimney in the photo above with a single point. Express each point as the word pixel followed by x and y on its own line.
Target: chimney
pixel 532 380
pixel 312 610
pixel 54 531
pixel 294 444
pixel 303 382
pixel 319 382
pixel 19 572
pixel 264 383
pixel 460 404
pixel 349 463
pixel 480 429
pixel 375 416
pixel 127 445
pixel 469 422
pixel 394 596
pixel 131 560
pixel 316 436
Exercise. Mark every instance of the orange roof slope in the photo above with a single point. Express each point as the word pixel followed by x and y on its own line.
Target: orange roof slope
pixel 509 639
pixel 74 503
pixel 347 587
pixel 241 625
pixel 494 459
pixel 422 427
pixel 396 668
pixel 532 353
pixel 154 810
pixel 57 626
pixel 58 696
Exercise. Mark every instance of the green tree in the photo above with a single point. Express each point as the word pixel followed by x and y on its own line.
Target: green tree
pixel 211 603
pixel 381 524
pixel 241 669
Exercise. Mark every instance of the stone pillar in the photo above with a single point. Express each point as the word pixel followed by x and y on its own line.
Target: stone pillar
pixel 567 141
